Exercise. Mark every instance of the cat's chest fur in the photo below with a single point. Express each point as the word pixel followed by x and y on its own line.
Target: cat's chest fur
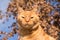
pixel 37 35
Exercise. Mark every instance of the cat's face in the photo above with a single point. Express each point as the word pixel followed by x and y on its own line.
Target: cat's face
pixel 27 19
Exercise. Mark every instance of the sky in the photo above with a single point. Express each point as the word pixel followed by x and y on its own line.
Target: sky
pixel 4 4
pixel 4 27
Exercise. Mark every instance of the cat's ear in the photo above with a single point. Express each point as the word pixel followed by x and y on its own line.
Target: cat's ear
pixel 19 10
pixel 34 8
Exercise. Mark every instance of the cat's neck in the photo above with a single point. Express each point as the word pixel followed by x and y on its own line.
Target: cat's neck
pixel 34 34
pixel 25 32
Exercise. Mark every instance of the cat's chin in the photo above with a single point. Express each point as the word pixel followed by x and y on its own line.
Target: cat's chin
pixel 27 27
pixel 34 26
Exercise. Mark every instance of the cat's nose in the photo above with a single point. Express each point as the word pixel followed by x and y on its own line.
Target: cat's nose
pixel 27 20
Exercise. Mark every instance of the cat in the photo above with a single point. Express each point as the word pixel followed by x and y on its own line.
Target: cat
pixel 29 26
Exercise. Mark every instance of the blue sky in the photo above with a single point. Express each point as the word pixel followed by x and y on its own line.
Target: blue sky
pixel 4 27
pixel 4 4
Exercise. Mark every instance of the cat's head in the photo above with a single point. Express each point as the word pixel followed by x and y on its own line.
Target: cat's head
pixel 27 19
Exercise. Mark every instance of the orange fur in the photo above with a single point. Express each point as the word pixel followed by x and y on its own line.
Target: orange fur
pixel 30 29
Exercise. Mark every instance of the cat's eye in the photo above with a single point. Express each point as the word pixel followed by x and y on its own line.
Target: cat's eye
pixel 22 17
pixel 32 17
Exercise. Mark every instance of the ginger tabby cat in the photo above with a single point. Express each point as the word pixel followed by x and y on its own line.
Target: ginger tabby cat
pixel 29 26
